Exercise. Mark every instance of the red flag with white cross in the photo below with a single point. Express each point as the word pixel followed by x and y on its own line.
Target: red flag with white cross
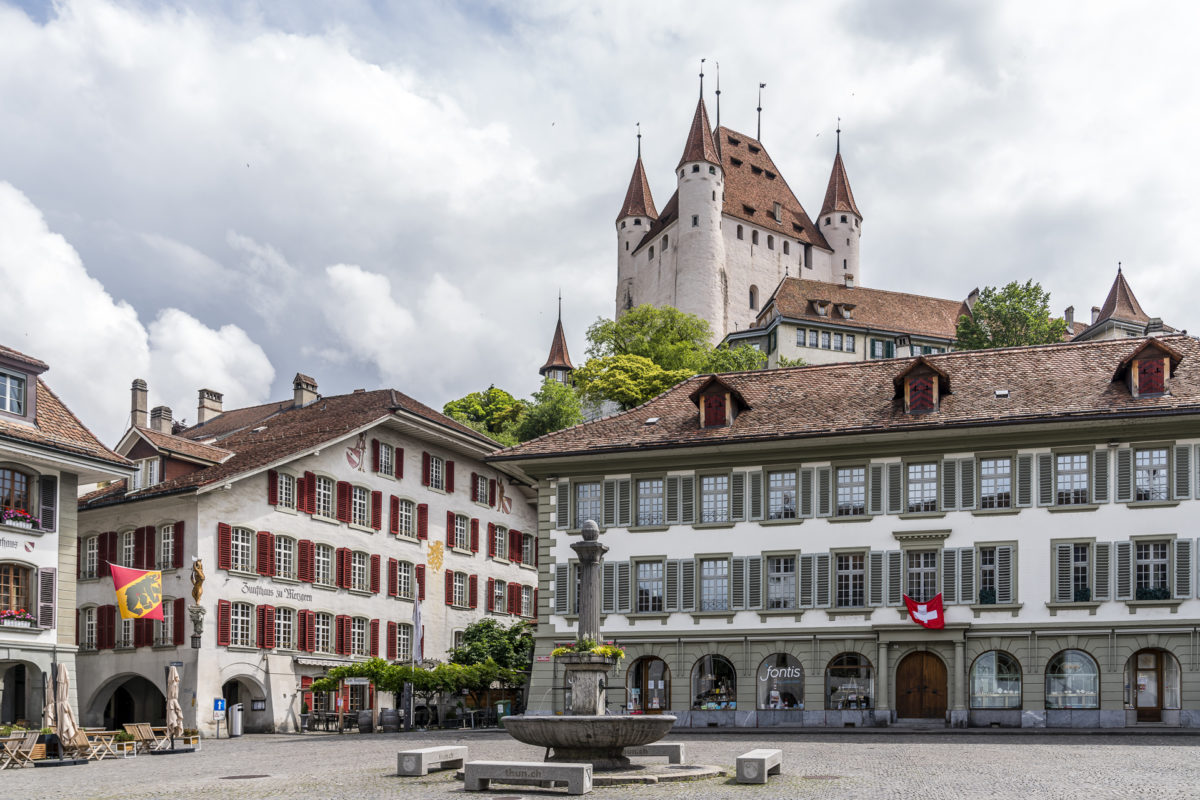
pixel 928 614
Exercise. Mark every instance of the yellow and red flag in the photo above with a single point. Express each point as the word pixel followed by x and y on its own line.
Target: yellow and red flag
pixel 139 592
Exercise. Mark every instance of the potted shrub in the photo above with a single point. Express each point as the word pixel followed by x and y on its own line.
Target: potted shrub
pixel 191 738
pixel 47 743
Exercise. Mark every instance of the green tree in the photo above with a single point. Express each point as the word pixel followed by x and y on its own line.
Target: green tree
pixel 554 407
pixel 672 339
pixel 626 380
pixel 733 359
pixel 493 412
pixel 1016 314
pixel 488 640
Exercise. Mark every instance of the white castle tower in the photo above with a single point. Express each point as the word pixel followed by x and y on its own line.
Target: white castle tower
pixel 841 222
pixel 633 223
pixel 698 266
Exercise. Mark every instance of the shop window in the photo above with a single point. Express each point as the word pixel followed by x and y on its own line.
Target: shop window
pixel 714 684
pixel 1072 681
pixel 648 682
pixel 995 681
pixel 780 682
pixel 1152 684
pixel 849 683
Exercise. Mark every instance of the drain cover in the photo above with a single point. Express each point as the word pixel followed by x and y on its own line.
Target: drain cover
pixel 821 777
pixel 241 777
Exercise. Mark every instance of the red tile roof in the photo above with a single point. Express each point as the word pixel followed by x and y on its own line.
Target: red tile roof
pixel 37 364
pixel 838 196
pixel 57 428
pixel 638 200
pixel 699 145
pixel 184 447
pixel 859 397
pixel 559 358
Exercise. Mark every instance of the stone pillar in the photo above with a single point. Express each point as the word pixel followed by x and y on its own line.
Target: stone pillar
pixel 590 553
pixel 958 710
pixel 881 686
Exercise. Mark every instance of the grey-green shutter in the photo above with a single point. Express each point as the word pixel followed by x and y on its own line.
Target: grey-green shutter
pixel 561 588
pixel 737 583
pixel 806 498
pixel 948 473
pixel 610 503
pixel 1024 481
pixel 824 581
pixel 672 499
pixel 754 582
pixel 1045 479
pixel 608 591
pixel 875 578
pixel 687 585
pixel 966 576
pixel 624 590
pixel 966 488
pixel 895 490
pixel 806 581
pixel 875 489
pixel 824 492
pixel 1124 561
pixel 624 503
pixel 1100 476
pixel 737 500
pixel 687 499
pixel 1124 475
pixel 895 578
pixel 1064 587
pixel 1183 568
pixel 1004 574
pixel 562 512
pixel 1102 574
pixel 949 575
pixel 673 585
pixel 756 494
pixel 1183 472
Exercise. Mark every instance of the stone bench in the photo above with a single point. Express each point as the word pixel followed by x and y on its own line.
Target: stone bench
pixel 480 774
pixel 755 766
pixel 417 762
pixel 675 752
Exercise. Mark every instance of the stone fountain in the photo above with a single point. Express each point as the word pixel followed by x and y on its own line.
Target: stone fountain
pixel 585 733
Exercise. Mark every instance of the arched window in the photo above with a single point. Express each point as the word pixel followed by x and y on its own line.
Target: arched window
pixel 16 589
pixel 849 682
pixel 787 249
pixel 648 682
pixel 1151 684
pixel 666 242
pixel 754 297
pixel 739 232
pixel 780 682
pixel 1072 681
pixel 651 252
pixel 995 681
pixel 714 684
pixel 753 237
pixel 770 242
pixel 14 489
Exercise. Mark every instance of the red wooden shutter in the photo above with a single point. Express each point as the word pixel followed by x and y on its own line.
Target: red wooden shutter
pixel 310 492
pixel 342 557
pixel 139 633
pixel 301 494
pixel 177 546
pixel 491 540
pixel 492 492
pixel 347 637
pixel 224 608
pixel 77 627
pixel 266 553
pixel 305 682
pixel 374 455
pixel 474 487
pixel 272 487
pixel 514 546
pixel 473 591
pixel 535 550
pixel 423 521
pixel 391 641
pixel 450 529
pixel 394 507
pixel 79 545
pixel 139 548
pixel 398 461
pixel 177 621
pixel 393 577
pixel 425 469
pixel 490 600
pixel 420 581
pixel 474 535
pixel 449 588
pixel 269 622
pixel 338 636
pixel 377 510
pixel 533 612
pixel 224 546
pixel 449 477
pixel 511 604
pixel 308 631
pixel 374 637
pixel 375 560
pixel 343 501
pixel 260 633
pixel 305 561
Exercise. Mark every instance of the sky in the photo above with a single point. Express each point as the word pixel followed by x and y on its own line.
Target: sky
pixel 222 194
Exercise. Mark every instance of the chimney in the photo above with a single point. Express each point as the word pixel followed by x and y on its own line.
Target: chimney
pixel 1069 316
pixel 1154 327
pixel 849 280
pixel 210 406
pixel 971 298
pixel 304 390
pixel 137 410
pixel 1095 314
pixel 160 419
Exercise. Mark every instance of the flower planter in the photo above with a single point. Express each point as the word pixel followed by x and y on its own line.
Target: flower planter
pixel 16 523
pixel 16 623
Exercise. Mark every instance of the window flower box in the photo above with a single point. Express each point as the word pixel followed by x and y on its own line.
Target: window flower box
pixel 17 618
pixel 18 518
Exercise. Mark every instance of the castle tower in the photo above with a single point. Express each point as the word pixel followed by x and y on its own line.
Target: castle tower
pixel 558 366
pixel 633 222
pixel 701 285
pixel 841 222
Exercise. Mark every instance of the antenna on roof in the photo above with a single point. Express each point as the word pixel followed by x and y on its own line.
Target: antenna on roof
pixel 718 63
pixel 1118 267
pixel 839 136
pixel 560 305
pixel 639 130
pixel 702 77
pixel 761 86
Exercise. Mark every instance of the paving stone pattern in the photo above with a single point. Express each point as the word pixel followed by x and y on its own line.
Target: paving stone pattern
pixel 930 767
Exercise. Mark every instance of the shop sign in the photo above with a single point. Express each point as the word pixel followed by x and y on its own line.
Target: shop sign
pixel 277 592
pixel 541 658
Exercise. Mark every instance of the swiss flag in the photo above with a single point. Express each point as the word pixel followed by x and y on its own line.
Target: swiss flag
pixel 928 614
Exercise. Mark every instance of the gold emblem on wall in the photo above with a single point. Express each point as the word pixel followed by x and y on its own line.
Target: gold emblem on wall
pixel 434 560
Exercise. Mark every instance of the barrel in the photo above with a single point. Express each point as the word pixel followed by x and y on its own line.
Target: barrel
pixel 389 720
pixel 364 721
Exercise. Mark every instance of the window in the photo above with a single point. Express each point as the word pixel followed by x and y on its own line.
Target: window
pixel 1072 479
pixel 1081 582
pixel 1150 571
pixel 406 513
pixel 995 681
pixel 753 237
pixel 323 633
pixel 922 574
pixel 714 498
pixel 240 626
pixel 882 348
pixel 528 542
pixel 787 249
pixel 800 337
pixel 500 542
pixel 1150 472
pixel 404 639
pixel 995 483
pixel 87 627
pixel 386 459
pixel 739 232
pixel 12 393
pixel 851 491
pixel 587 504
pixel 851 580
pixel 147 473
pixel 849 346
pixel 714 584
pixel 285 629
pixel 437 471
pixel 358 572
pixel 651 258
pixel 987 576
pixel 124 634
pixel 714 684
pixel 695 167
pixel 825 340
pixel 1152 683
pixel 360 506
pixel 781 495
pixel 1072 681
pixel 286 490
pixel 770 242
pixel 666 242
pixel 527 601
pixel 285 557
pixel 358 636
pixel 500 597
pixel 91 557
pixel 780 682
pixel 164 629
pixel 458 596
pixel 649 587
pixel 462 532
pixel 480 490
pixel 753 297
pixel 323 564
pixel 650 501
pixel 128 549
pixel 849 682
pixel 781 582
pixel 695 220
pixel 241 550
pixel 15 588
pixel 922 488
pixel 324 497
pixel 404 580
pixel 637 221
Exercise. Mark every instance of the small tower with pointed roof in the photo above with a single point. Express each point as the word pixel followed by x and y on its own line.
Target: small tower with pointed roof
pixel 841 222
pixel 697 269
pixel 633 223
pixel 558 366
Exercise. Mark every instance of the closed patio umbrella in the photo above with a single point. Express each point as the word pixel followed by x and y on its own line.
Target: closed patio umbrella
pixel 174 712
pixel 66 717
pixel 48 720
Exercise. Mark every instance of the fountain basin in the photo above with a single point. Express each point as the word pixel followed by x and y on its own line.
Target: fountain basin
pixel 599 740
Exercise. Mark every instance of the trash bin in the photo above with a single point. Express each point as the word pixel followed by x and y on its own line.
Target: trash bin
pixel 235 720
pixel 503 709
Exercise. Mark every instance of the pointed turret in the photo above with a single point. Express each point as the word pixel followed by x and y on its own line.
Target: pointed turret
pixel 638 200
pixel 841 222
pixel 558 366
pixel 1121 304
pixel 838 197
pixel 700 145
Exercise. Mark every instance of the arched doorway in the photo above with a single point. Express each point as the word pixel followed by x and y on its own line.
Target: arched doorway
pixel 921 687
pixel 256 707
pixel 134 699
pixel 1151 684
pixel 649 684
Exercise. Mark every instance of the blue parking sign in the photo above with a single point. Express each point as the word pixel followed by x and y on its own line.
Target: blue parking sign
pixel 219 704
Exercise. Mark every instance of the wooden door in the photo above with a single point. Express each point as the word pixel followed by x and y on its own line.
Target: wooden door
pixel 921 687
pixel 1148 688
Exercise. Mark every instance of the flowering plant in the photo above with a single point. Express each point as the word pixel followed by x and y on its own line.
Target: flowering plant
pixel 16 614
pixel 589 646
pixel 17 515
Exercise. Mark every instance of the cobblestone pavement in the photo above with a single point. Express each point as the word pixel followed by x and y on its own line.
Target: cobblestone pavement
pixel 928 767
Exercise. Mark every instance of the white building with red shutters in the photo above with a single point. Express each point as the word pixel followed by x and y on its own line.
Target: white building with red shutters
pixel 310 519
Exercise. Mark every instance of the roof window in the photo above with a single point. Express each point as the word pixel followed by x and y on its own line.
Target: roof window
pixel 821 307
pixel 733 141
pixel 770 175
pixel 748 209
pixel 756 170
pixel 779 212
pixel 1148 370
pixel 1001 394
pixel 753 149
pixel 921 386
pixel 737 162
pixel 718 403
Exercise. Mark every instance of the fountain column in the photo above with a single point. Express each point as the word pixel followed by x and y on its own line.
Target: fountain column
pixel 586 674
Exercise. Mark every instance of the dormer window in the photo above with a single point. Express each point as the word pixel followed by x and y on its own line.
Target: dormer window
pixel 713 412
pixel 846 310
pixel 920 393
pixel 12 393
pixel 778 212
pixel 921 387
pixel 146 475
pixel 718 403
pixel 1147 371
pixel 821 307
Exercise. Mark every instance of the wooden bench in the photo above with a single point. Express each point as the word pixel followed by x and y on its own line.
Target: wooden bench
pixel 755 766
pixel 675 752
pixel 417 762
pixel 480 774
